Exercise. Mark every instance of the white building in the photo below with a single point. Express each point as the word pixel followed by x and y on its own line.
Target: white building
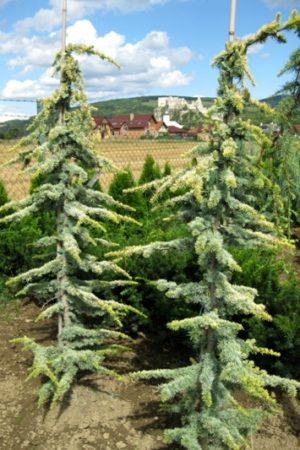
pixel 170 123
pixel 197 106
pixel 175 103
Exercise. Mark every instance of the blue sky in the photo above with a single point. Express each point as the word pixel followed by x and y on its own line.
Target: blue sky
pixel 164 47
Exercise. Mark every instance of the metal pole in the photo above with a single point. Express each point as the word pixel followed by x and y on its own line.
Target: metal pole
pixel 232 20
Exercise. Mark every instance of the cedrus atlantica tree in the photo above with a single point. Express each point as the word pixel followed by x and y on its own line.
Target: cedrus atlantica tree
pixel 214 201
pixel 74 286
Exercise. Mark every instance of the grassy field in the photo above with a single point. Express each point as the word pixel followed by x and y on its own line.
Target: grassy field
pixel 124 153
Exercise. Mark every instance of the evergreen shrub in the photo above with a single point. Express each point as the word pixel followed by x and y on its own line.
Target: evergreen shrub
pixel 150 170
pixel 17 241
pixel 124 180
pixel 178 267
pixel 3 194
pixel 152 227
pixel 279 290
pixel 17 251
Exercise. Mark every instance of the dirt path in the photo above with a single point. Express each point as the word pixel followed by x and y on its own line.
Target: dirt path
pixel 101 414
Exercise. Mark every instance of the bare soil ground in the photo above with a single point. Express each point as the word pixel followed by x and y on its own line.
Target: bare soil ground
pixel 101 414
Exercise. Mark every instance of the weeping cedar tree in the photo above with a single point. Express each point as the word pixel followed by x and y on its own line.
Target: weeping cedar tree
pixel 291 105
pixel 218 217
pixel 282 164
pixel 74 285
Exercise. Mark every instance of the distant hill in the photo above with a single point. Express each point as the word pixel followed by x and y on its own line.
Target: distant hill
pixel 146 105
pixel 18 125
pixel 273 100
pixel 137 105
pixel 207 101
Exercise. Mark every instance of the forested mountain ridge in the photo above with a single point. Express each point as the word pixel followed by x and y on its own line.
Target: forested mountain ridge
pixel 109 108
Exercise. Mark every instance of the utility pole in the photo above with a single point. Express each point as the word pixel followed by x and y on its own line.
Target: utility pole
pixel 232 20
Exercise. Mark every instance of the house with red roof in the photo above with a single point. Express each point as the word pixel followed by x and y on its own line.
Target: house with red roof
pixel 132 126
pixel 135 126
pixel 157 129
pixel 103 127
pixel 195 132
pixel 176 132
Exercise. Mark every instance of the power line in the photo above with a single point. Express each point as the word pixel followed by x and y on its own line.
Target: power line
pixel 35 100
pixel 27 100
pixel 19 116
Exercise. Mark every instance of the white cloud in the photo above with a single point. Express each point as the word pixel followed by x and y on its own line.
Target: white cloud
pixel 148 64
pixel 156 40
pixel 24 89
pixel 7 112
pixel 44 19
pixel 29 51
pixel 160 62
pixel 255 48
pixel 82 32
pixel 174 78
pixel 47 19
pixel 183 55
pixel 282 3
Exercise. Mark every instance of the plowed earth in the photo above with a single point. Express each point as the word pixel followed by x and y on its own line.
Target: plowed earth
pixel 101 414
